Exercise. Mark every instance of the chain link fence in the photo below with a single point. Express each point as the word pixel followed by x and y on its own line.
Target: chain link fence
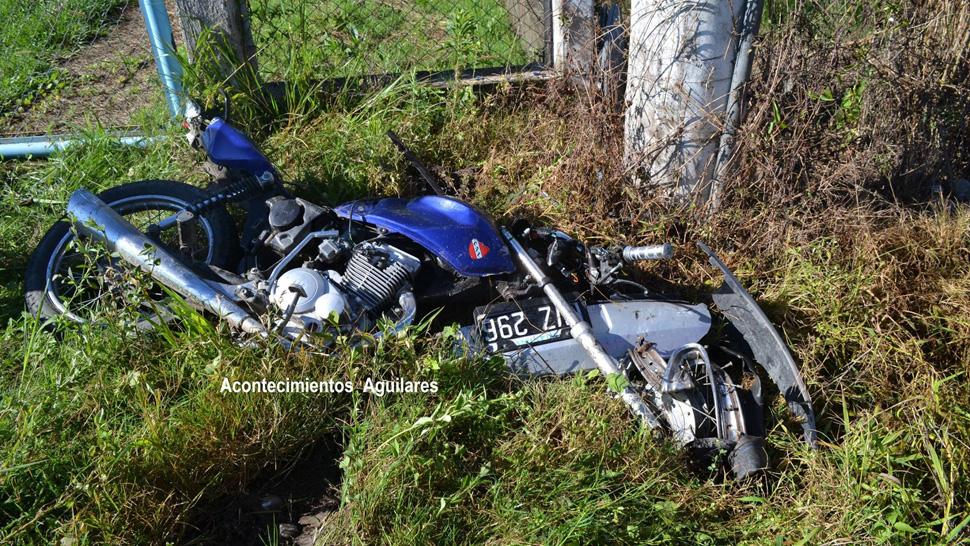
pixel 323 39
pixel 86 63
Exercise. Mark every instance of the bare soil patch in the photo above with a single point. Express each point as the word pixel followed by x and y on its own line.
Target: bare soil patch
pixel 107 82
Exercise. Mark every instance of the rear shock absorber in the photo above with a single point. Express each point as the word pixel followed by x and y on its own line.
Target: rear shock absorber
pixel 244 187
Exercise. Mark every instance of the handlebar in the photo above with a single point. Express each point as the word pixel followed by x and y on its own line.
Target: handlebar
pixel 648 252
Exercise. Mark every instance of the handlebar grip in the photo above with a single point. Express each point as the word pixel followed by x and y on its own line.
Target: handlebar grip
pixel 648 252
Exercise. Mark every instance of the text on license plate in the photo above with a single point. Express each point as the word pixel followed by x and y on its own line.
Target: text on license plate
pixel 511 325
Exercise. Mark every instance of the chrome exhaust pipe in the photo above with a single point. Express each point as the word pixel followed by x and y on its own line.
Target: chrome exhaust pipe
pixel 93 218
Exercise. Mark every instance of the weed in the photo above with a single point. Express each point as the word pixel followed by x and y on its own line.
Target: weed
pixel 351 39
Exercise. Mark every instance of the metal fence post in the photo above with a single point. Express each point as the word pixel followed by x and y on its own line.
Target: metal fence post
pixel 159 30
pixel 573 36
pixel 739 79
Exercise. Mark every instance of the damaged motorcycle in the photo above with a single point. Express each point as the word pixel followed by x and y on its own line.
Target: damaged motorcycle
pixel 293 270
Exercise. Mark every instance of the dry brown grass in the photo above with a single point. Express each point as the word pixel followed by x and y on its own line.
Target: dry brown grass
pixel 830 216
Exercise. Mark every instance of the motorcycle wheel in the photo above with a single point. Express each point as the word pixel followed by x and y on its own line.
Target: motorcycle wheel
pixel 58 280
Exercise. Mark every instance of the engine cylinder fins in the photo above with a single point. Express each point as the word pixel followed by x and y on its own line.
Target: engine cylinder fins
pixel 373 285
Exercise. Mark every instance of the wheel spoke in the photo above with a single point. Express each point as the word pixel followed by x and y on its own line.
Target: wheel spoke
pixel 85 281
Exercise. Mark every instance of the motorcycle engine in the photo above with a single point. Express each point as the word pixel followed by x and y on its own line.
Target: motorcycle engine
pixel 311 293
pixel 374 275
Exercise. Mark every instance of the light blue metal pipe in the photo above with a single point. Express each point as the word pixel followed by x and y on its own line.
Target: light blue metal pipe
pixel 43 146
pixel 163 48
pixel 750 24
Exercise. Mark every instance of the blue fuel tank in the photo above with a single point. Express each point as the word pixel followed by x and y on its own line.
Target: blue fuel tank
pixel 458 233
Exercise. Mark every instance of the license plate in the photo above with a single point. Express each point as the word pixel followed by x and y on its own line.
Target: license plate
pixel 512 325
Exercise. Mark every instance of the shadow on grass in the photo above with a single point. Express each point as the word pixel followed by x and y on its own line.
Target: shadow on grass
pixel 12 283
pixel 304 489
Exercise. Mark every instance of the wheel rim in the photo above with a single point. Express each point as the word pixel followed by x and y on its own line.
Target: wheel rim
pixel 140 210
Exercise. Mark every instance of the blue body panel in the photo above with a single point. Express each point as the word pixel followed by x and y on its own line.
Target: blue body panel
pixel 453 230
pixel 228 147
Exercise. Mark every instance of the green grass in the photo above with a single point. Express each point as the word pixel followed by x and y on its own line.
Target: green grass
pixel 34 35
pixel 310 39
pixel 108 436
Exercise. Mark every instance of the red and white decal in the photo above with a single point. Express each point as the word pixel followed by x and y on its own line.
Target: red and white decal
pixel 477 249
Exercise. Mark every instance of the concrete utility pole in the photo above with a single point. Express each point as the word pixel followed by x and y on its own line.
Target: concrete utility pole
pixel 681 65
pixel 227 20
